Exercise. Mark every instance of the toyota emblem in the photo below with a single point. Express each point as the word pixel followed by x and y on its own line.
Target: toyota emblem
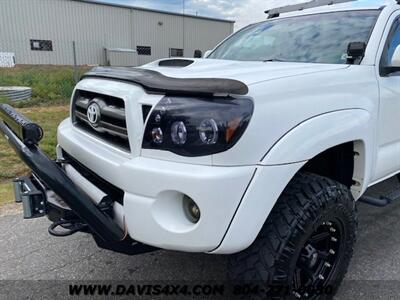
pixel 93 114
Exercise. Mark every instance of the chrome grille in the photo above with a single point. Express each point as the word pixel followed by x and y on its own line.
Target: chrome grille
pixel 103 116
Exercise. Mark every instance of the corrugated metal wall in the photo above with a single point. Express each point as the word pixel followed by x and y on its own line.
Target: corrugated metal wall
pixel 94 27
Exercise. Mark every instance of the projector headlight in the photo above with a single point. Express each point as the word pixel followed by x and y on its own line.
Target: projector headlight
pixel 191 126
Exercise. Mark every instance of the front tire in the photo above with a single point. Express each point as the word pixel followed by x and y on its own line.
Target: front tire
pixel 306 242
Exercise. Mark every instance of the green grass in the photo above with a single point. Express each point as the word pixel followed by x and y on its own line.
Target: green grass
pixel 10 164
pixel 50 84
pixel 6 193
pixel 52 87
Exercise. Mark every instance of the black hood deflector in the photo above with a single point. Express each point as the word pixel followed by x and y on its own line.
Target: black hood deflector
pixel 156 82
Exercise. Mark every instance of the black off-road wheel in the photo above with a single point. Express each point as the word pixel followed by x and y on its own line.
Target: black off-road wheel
pixel 304 249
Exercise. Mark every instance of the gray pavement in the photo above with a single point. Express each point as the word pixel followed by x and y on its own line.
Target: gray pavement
pixel 29 253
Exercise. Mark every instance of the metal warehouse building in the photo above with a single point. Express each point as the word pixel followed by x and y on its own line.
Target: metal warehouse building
pixel 63 31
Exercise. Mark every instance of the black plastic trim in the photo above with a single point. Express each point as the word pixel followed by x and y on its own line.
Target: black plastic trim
pixel 177 63
pixel 156 82
pixel 146 109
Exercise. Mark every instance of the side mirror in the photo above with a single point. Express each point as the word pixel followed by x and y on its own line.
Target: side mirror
pixel 207 53
pixel 395 62
pixel 355 52
pixel 198 54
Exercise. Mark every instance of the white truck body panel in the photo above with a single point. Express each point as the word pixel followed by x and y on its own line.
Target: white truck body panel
pixel 300 110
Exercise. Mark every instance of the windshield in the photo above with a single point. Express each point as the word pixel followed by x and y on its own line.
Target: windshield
pixel 320 38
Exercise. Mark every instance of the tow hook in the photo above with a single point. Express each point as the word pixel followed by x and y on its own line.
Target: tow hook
pixel 70 227
pixel 73 225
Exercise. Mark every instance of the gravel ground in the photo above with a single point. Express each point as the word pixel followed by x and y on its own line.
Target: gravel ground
pixel 29 253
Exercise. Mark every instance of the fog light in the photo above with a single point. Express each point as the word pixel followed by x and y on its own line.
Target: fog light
pixel 191 209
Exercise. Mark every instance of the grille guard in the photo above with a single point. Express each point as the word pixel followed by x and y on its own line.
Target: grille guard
pixel 50 173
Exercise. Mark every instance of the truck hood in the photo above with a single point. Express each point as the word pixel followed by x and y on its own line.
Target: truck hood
pixel 244 71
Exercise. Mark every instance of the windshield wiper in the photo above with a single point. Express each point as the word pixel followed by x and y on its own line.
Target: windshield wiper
pixel 273 59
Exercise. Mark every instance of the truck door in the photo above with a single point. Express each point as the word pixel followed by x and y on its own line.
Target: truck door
pixel 388 152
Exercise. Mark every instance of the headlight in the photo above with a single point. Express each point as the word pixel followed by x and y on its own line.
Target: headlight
pixel 191 126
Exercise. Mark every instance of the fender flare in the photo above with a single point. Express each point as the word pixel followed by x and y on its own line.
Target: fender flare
pixel 320 133
pixel 287 157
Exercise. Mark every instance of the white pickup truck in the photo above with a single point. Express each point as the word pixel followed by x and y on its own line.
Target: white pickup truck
pixel 260 151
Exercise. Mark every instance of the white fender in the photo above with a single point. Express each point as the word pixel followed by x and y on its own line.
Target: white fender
pixel 320 133
pixel 286 158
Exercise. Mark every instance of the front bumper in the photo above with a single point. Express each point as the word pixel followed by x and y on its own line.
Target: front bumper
pixel 144 196
pixel 154 189
pixel 55 178
pixel 48 178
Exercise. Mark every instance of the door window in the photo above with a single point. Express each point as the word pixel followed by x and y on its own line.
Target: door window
pixel 392 43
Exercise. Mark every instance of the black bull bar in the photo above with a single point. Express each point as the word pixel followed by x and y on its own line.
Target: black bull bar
pixel 24 136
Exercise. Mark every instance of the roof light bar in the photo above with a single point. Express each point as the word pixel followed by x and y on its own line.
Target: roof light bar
pixel 275 12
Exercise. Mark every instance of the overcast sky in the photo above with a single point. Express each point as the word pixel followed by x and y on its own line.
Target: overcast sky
pixel 243 11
